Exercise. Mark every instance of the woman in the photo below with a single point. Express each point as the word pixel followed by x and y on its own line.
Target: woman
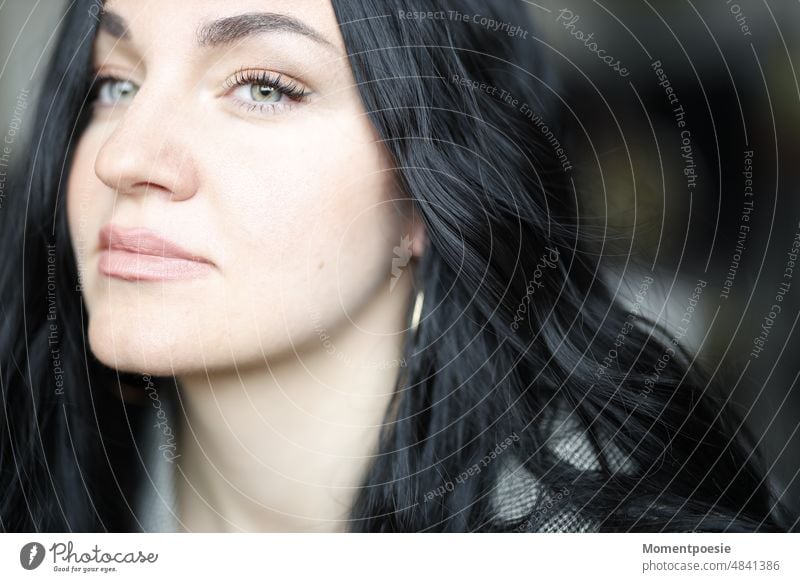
pixel 314 263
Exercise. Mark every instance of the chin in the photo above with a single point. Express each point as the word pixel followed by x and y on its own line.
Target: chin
pixel 129 340
pixel 176 342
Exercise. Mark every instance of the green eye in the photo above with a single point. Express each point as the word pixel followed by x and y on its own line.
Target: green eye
pixel 265 93
pixel 114 91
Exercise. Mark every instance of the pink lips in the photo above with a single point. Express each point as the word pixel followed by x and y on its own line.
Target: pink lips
pixel 138 254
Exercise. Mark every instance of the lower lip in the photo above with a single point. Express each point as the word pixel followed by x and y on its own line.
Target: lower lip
pixel 128 266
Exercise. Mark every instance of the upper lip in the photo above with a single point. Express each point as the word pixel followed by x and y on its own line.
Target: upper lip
pixel 144 242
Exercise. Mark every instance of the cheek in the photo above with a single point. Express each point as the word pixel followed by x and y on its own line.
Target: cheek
pixel 314 227
pixel 325 182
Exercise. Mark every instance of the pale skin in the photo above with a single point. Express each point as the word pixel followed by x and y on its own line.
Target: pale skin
pixel 287 347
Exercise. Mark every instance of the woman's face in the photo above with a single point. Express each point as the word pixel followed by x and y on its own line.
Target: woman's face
pixel 229 199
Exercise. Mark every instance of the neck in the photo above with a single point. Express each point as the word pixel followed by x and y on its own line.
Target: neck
pixel 285 446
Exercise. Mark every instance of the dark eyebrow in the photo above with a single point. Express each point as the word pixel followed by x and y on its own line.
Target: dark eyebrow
pixel 114 24
pixel 233 28
pixel 226 30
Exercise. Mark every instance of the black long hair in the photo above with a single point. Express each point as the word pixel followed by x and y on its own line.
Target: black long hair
pixel 520 337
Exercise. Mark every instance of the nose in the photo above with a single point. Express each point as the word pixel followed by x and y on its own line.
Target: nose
pixel 143 154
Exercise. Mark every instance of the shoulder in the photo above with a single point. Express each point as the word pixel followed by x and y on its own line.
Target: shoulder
pixel 521 498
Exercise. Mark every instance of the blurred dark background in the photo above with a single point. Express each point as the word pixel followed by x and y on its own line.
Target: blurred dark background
pixel 733 69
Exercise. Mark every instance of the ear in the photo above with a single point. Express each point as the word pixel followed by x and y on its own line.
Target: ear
pixel 419 235
pixel 412 227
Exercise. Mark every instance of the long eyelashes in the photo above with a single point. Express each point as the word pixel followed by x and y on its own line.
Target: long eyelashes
pixel 290 89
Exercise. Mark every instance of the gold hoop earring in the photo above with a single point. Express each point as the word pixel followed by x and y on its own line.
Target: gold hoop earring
pixel 417 313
